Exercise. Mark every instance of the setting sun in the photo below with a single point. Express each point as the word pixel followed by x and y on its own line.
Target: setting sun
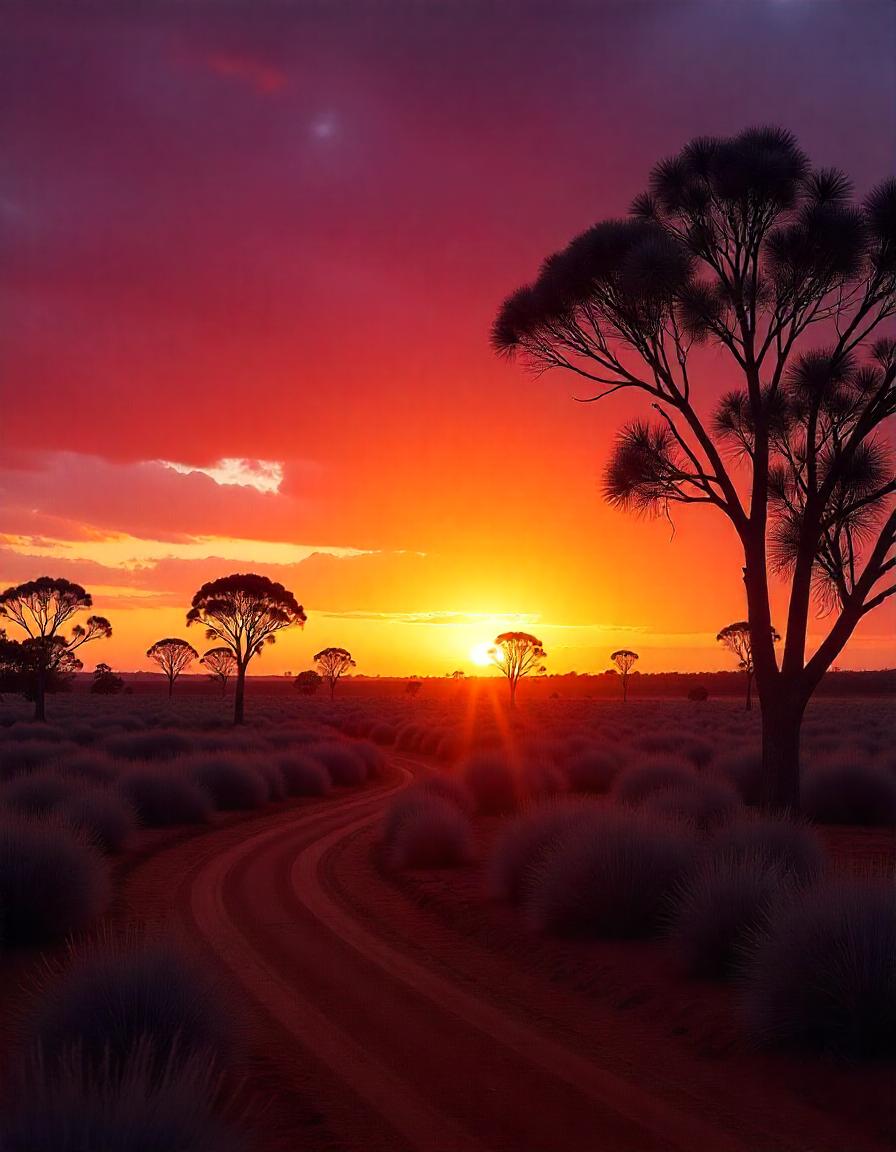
pixel 480 654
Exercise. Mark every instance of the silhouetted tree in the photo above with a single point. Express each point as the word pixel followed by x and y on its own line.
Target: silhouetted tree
pixel 221 663
pixel 22 660
pixel 459 674
pixel 517 654
pixel 172 656
pixel 736 638
pixel 105 682
pixel 413 687
pixel 244 611
pixel 698 693
pixel 624 660
pixel 41 608
pixel 309 682
pixel 741 244
pixel 332 664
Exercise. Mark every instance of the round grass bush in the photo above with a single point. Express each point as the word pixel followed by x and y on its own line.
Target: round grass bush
pixel 821 974
pixel 372 756
pixel 719 905
pixel 382 733
pixel 271 775
pixel 94 765
pixel 151 744
pixel 408 737
pixel 609 874
pixel 163 797
pixel 591 770
pixel 17 758
pixel 424 830
pixel 702 801
pixel 36 794
pixel 744 770
pixel 52 882
pixel 842 791
pixel 304 776
pixel 449 788
pixel 792 847
pixel 346 766
pixel 68 1108
pixel 105 817
pixel 522 846
pixel 115 998
pixel 635 783
pixel 493 782
pixel 232 784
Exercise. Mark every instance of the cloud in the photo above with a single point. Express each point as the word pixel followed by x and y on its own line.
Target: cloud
pixel 263 475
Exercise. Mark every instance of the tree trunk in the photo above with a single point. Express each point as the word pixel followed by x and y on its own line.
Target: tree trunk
pixel 782 719
pixel 512 693
pixel 624 689
pixel 239 695
pixel 40 695
pixel 749 704
pixel 170 687
pixel 332 689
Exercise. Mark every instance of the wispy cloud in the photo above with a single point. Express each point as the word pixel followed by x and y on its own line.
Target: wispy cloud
pixel 263 475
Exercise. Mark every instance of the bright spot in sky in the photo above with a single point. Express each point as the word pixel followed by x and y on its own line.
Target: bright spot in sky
pixel 324 127
pixel 264 475
pixel 480 654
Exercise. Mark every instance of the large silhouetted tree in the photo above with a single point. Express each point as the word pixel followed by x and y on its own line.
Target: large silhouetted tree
pixel 172 656
pixel 625 660
pixel 221 664
pixel 41 608
pixel 736 638
pixel 332 664
pixel 741 244
pixel 244 611
pixel 517 654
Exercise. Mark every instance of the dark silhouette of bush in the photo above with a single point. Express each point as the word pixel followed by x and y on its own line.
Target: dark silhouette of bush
pixel 92 765
pixel 591 770
pixel 609 875
pixel 70 1109
pixel 844 791
pixel 744 770
pixel 493 782
pixel 52 883
pixel 372 757
pixel 724 900
pixel 702 802
pixel 105 682
pixel 794 848
pixel 303 775
pixel 424 830
pixel 153 744
pixel 636 782
pixel 163 797
pixel 820 975
pixel 347 767
pixel 698 693
pixel 37 793
pixel 382 733
pixel 522 846
pixel 112 997
pixel 105 818
pixel 273 778
pixel 408 737
pixel 18 757
pixel 449 788
pixel 231 783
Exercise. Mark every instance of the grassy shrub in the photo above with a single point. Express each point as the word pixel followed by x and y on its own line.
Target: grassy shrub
pixel 152 744
pixel 273 778
pixel 72 1109
pixel 17 759
pixel 104 817
pixel 843 791
pixel 523 845
pixel 95 766
pixel 610 874
pixel 719 905
pixel 36 794
pixel 635 783
pixel 493 783
pixel 346 766
pixel 303 776
pixel 115 999
pixel 449 788
pixel 232 784
pixel 591 769
pixel 162 797
pixel 794 848
pixel 744 770
pixel 695 750
pixel 821 975
pixel 382 733
pixel 372 756
pixel 424 830
pixel 408 737
pixel 52 882
pixel 448 748
pixel 702 801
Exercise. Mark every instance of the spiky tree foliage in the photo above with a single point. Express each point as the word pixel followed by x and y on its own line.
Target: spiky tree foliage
pixel 739 243
pixel 736 638
pixel 244 612
pixel 221 664
pixel 625 660
pixel 308 682
pixel 172 656
pixel 517 654
pixel 42 608
pixel 332 665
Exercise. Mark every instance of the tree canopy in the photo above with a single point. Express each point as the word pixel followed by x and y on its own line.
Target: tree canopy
pixel 517 654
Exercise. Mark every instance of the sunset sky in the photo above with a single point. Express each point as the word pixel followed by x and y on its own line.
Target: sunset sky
pixel 250 259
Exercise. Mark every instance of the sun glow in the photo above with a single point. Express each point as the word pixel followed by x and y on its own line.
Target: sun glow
pixel 480 654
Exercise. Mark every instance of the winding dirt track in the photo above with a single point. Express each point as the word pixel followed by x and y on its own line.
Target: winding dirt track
pixel 422 1058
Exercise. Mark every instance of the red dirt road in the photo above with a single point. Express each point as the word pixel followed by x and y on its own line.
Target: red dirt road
pixel 406 1035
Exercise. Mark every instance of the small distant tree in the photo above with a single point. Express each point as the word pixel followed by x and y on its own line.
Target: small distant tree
pixel 457 675
pixel 244 611
pixel 332 664
pixel 308 682
pixel 172 656
pixel 699 693
pixel 41 608
pixel 105 682
pixel 736 638
pixel 517 654
pixel 625 660
pixel 413 687
pixel 221 664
